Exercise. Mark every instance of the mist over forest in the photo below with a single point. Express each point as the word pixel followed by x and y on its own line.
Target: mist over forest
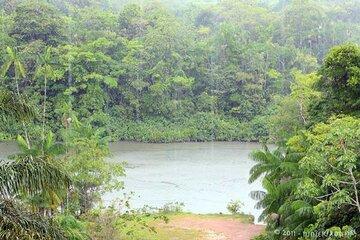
pixel 174 70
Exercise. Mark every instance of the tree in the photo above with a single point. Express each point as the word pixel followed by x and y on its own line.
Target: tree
pixel 271 200
pixel 14 61
pixel 131 22
pixel 291 112
pixel 330 174
pixel 45 70
pixel 85 162
pixel 341 68
pixel 17 223
pixel 332 158
pixel 29 176
pixel 275 165
pixel 25 175
pixel 339 83
pixel 304 23
pixel 37 20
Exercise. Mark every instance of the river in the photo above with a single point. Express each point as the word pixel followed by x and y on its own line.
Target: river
pixel 203 176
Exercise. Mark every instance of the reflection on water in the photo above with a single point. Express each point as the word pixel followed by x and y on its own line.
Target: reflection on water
pixel 204 176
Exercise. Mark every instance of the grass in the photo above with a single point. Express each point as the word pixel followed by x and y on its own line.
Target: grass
pixel 164 231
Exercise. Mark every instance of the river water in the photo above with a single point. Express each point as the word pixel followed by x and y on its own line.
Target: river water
pixel 203 176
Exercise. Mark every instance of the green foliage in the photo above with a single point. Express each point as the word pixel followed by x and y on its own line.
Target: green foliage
pixel 172 207
pixel 272 164
pixel 17 223
pixel 200 127
pixel 36 20
pixel 86 164
pixel 341 66
pixel 317 191
pixel 340 84
pixel 291 112
pixel 72 227
pixel 129 224
pixel 196 72
pixel 234 207
pixel 12 106
pixel 182 64
pixel 29 175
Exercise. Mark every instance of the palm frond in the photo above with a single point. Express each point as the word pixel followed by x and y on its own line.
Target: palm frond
pixel 10 105
pixel 20 68
pixel 256 171
pixel 257 195
pixel 259 156
pixel 29 175
pixel 4 68
pixel 17 223
pixel 10 51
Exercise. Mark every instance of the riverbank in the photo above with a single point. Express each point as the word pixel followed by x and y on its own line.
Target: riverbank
pixel 187 226
pixel 201 127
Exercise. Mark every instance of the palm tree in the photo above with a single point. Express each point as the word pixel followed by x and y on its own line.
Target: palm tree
pixel 14 61
pixel 50 196
pixel 27 174
pixel 272 198
pixel 17 223
pixel 297 215
pixel 12 106
pixel 19 69
pixel 280 170
pixel 45 70
pixel 276 164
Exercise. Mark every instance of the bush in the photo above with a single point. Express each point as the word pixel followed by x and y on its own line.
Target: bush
pixel 199 127
pixel 73 228
pixel 173 207
pixel 234 207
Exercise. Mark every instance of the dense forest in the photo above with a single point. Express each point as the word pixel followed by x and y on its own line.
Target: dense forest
pixel 167 71
pixel 312 181
pixel 76 75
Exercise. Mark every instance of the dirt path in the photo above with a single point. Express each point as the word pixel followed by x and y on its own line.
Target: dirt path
pixel 219 229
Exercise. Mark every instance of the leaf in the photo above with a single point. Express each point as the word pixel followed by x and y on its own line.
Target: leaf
pixel 111 82
pixel 17 223
pixel 20 68
pixel 12 106
pixel 22 143
pixel 30 175
pixel 5 68
pixel 49 140
pixel 11 52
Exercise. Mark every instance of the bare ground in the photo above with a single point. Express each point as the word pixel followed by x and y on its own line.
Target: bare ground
pixel 219 229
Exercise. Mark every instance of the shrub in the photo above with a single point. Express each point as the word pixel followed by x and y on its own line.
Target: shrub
pixel 234 206
pixel 172 207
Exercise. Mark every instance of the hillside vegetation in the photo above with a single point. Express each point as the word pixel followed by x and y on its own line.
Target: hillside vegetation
pixel 164 71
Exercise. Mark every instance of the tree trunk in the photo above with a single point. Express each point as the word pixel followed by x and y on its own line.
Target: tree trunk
pixel 44 113
pixel 22 122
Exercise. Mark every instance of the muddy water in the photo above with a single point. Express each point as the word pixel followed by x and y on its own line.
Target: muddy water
pixel 203 176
